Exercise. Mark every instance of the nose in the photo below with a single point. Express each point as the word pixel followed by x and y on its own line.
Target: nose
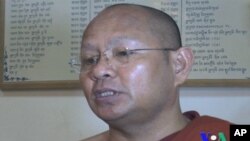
pixel 103 69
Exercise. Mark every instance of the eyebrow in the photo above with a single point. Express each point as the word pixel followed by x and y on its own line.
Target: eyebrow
pixel 89 46
pixel 119 39
pixel 111 43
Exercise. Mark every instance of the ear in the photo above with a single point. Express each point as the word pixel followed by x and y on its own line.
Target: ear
pixel 182 64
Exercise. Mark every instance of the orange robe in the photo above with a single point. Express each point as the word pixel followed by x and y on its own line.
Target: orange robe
pixel 202 128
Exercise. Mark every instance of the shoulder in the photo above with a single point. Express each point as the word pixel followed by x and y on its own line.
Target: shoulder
pixel 206 125
pixel 98 137
pixel 211 122
pixel 205 121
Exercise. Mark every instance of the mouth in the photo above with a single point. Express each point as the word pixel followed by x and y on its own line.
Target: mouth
pixel 108 97
pixel 105 93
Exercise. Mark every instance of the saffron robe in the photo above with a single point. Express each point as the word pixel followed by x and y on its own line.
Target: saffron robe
pixel 201 125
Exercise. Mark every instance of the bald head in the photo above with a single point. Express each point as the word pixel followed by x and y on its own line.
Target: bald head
pixel 160 24
pixel 145 19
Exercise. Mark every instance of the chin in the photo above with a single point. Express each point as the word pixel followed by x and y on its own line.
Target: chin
pixel 109 118
pixel 111 114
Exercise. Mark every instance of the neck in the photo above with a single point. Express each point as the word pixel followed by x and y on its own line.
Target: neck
pixel 164 124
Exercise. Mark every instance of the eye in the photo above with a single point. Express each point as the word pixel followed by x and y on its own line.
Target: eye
pixel 122 52
pixel 90 61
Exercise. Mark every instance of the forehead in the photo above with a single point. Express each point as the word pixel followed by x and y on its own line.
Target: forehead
pixel 118 26
pixel 121 41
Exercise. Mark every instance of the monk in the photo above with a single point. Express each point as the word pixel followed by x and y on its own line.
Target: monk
pixel 132 65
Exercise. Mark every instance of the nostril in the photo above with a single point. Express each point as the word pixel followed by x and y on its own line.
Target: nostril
pixel 106 75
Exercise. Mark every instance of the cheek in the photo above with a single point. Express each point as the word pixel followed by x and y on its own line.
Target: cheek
pixel 86 84
pixel 138 76
pixel 136 79
pixel 147 81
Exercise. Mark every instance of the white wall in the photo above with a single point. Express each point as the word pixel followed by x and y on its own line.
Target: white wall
pixel 63 115
pixel 232 104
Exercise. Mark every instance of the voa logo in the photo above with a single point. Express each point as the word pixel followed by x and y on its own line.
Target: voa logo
pixel 206 136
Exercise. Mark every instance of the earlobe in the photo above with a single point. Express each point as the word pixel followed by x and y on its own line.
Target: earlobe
pixel 183 64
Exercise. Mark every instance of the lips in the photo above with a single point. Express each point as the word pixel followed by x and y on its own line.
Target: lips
pixel 105 93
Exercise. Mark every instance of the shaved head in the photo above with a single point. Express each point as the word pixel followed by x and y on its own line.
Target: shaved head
pixel 146 19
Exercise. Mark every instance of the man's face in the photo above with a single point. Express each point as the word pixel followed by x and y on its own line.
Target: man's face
pixel 135 90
